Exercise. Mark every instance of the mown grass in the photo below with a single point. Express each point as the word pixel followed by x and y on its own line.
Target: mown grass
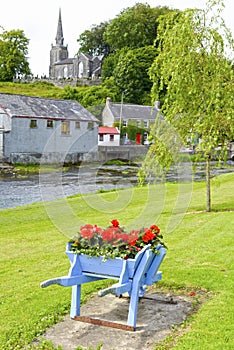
pixel 200 256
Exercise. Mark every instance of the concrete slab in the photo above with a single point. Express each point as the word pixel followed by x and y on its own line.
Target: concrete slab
pixel 157 314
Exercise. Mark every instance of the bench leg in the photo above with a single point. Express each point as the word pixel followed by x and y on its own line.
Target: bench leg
pixel 75 301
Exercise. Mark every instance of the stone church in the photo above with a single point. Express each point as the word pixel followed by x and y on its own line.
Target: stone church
pixel 82 66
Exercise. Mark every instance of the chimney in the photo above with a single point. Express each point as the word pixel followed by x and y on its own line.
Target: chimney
pixel 108 100
pixel 157 105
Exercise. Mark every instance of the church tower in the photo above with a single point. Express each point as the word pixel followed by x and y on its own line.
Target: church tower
pixel 59 52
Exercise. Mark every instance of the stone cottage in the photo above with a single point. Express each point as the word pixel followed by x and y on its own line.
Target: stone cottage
pixel 46 130
pixel 82 66
pixel 129 114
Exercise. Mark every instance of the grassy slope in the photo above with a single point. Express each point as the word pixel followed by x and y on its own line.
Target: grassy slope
pixel 42 89
pixel 200 255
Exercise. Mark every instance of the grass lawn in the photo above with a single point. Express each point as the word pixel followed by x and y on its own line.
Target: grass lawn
pixel 200 257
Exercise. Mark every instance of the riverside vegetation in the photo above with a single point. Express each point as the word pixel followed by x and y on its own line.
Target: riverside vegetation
pixel 200 259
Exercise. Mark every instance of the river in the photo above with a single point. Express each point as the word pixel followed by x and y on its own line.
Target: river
pixel 18 190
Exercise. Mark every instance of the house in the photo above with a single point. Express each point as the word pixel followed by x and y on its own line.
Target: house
pixel 46 130
pixel 129 115
pixel 108 136
pixel 82 66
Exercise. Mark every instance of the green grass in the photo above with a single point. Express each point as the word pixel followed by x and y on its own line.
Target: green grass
pixel 42 89
pixel 200 256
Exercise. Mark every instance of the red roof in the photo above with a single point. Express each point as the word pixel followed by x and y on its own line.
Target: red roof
pixel 107 130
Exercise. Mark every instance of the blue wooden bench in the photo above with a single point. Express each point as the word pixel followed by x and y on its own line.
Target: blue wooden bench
pixel 133 276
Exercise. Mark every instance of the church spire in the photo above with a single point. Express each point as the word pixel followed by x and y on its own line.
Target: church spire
pixel 59 36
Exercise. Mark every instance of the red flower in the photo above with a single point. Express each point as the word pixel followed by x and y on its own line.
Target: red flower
pixel 155 229
pixel 148 236
pixel 89 226
pixel 132 242
pixel 97 230
pixel 192 294
pixel 115 223
pixel 86 232
pixel 124 237
pixel 108 235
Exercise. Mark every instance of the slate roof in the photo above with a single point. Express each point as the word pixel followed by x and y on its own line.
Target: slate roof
pixel 108 130
pixel 29 106
pixel 131 111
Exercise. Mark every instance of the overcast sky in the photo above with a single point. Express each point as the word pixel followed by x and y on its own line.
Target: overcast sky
pixel 38 20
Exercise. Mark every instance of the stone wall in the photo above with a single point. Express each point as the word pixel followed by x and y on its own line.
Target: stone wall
pixel 104 154
pixel 128 152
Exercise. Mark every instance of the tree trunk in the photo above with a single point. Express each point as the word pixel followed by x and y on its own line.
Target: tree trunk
pixel 208 199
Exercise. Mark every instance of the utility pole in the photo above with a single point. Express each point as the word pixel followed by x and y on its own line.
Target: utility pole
pixel 121 112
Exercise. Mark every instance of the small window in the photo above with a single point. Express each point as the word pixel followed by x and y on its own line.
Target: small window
pixel 138 123
pixel 112 137
pixel 145 124
pixel 50 124
pixel 125 123
pixel 33 123
pixel 101 137
pixel 90 125
pixel 65 128
pixel 77 125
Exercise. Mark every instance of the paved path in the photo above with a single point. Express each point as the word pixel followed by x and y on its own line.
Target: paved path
pixel 157 314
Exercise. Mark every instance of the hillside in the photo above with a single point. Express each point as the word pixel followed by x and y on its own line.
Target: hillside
pixel 40 89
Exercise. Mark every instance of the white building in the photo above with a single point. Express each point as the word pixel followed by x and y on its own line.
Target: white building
pixel 46 130
pixel 108 136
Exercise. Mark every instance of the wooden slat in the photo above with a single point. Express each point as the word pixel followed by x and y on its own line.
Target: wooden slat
pixel 105 323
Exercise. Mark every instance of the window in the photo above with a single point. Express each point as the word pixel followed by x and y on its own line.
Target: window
pixel 90 125
pixel 101 137
pixel 112 137
pixel 77 125
pixel 138 123
pixel 50 123
pixel 65 128
pixel 145 124
pixel 125 123
pixel 33 123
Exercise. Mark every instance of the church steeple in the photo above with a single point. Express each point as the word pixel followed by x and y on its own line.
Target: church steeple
pixel 59 52
pixel 59 36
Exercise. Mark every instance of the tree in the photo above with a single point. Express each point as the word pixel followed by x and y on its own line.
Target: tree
pixel 194 67
pixel 13 55
pixel 131 74
pixel 92 41
pixel 134 27
pixel 111 62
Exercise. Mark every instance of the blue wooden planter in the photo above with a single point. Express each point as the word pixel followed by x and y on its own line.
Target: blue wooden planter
pixel 133 276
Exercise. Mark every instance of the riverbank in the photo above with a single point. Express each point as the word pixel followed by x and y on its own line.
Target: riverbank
pixel 25 185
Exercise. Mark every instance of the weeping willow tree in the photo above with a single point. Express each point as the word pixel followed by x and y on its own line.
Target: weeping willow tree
pixel 193 76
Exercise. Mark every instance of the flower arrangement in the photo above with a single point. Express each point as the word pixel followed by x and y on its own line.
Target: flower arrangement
pixel 114 241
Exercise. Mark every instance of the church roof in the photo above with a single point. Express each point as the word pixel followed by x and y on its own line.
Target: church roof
pixel 65 61
pixel 29 106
